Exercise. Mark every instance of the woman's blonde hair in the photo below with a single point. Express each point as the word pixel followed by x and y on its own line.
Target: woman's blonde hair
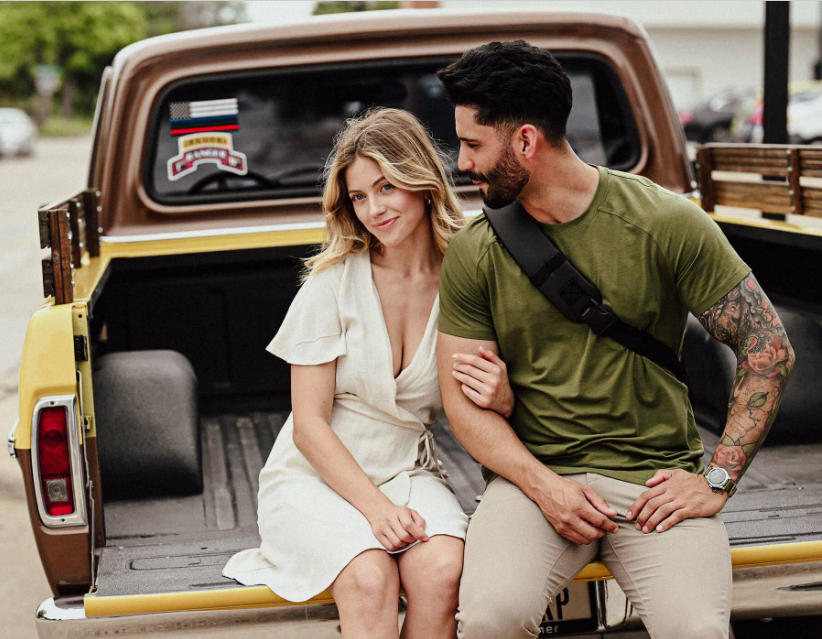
pixel 407 157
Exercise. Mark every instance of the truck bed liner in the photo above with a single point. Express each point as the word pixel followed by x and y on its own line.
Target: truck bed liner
pixel 181 544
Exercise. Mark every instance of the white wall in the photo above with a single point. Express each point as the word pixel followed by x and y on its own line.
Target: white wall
pixel 279 12
pixel 724 59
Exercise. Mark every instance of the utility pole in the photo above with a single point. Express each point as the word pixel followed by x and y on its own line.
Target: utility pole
pixel 777 50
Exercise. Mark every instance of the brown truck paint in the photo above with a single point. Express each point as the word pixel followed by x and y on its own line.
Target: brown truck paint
pixel 141 71
pixel 65 552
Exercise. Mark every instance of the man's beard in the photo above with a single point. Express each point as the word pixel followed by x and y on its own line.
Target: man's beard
pixel 505 181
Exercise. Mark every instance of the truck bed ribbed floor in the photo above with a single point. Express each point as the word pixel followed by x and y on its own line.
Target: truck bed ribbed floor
pixel 181 544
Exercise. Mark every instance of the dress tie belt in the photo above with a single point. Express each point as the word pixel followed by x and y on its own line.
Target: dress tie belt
pixel 428 458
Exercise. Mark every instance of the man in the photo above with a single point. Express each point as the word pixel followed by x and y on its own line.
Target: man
pixel 601 456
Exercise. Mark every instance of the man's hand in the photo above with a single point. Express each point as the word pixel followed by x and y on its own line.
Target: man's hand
pixel 674 495
pixel 575 511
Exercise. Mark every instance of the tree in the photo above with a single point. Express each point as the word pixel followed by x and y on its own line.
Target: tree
pixel 81 38
pixel 322 8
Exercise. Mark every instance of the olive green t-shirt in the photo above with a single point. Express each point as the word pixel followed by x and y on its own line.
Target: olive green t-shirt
pixel 584 403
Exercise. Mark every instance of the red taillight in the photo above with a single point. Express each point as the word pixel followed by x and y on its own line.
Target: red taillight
pixel 757 116
pixel 54 461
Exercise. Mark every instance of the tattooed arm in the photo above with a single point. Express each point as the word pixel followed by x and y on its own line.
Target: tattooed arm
pixel 746 321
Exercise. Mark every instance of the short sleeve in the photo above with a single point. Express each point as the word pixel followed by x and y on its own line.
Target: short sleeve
pixel 705 265
pixel 311 332
pixel 464 307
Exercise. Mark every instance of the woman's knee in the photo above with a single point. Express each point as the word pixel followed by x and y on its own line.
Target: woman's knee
pixel 446 569
pixel 370 577
pixel 436 572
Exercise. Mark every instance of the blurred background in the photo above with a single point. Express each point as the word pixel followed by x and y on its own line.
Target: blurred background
pixel 52 55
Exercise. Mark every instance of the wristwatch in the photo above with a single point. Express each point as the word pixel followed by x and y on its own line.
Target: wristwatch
pixel 719 479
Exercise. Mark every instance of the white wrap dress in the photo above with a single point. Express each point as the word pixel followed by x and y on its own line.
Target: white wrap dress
pixel 309 532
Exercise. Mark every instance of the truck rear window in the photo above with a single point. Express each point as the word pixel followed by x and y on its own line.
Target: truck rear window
pixel 267 134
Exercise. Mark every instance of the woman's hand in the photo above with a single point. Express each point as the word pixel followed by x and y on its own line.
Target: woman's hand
pixel 484 381
pixel 396 526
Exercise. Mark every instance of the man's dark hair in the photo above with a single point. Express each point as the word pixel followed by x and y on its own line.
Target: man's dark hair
pixel 511 84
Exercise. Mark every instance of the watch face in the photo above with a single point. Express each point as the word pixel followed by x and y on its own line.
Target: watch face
pixel 717 476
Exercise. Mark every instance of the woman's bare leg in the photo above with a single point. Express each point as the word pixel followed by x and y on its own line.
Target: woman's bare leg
pixel 430 575
pixel 367 592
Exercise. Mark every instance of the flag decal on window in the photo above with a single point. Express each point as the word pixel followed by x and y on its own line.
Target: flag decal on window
pixel 204 116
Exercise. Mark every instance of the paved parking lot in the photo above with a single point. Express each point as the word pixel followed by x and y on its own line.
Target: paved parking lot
pixel 57 168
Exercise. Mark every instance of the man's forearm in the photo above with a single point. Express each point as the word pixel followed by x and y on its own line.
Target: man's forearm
pixel 746 321
pixel 574 510
pixel 486 435
pixel 751 411
pixel 490 440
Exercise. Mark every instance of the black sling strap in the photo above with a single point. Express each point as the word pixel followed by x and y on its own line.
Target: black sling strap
pixel 568 289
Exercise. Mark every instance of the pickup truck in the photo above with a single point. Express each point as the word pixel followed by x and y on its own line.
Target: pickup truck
pixel 148 403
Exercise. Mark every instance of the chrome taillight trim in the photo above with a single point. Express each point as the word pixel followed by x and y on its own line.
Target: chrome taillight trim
pixel 78 517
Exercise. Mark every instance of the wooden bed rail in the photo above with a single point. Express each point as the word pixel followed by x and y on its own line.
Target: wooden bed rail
pixel 766 177
pixel 70 228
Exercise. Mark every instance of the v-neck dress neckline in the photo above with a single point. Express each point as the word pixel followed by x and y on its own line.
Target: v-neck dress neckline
pixel 432 314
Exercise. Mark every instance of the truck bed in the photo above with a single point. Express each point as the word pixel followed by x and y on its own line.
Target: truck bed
pixel 181 544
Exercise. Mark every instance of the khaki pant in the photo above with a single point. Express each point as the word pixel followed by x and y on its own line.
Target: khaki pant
pixel 679 581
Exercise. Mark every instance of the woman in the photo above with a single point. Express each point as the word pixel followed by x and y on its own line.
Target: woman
pixel 352 498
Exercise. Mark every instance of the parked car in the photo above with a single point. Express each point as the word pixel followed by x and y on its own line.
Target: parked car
pixel 711 121
pixel 17 132
pixel 805 117
pixel 148 403
pixel 804 114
